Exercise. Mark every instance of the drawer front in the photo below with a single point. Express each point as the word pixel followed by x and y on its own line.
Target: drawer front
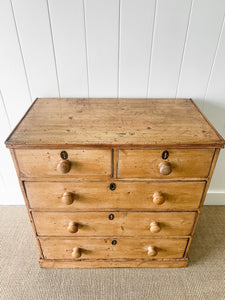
pixel 181 163
pixel 45 163
pixel 114 223
pixel 96 196
pixel 112 248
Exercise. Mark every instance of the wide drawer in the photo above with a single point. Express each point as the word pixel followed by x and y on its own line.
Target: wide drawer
pixel 110 248
pixel 45 163
pixel 181 163
pixel 114 223
pixel 96 196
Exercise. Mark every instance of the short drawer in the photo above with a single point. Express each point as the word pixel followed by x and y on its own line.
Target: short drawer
pixel 112 248
pixel 159 164
pixel 66 163
pixel 114 223
pixel 113 195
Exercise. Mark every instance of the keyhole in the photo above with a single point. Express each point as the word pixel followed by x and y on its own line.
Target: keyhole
pixel 165 154
pixel 112 186
pixel 64 155
pixel 111 216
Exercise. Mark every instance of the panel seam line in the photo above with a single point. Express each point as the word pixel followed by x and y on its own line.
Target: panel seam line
pixel 213 62
pixel 21 52
pixel 151 50
pixel 53 48
pixel 184 48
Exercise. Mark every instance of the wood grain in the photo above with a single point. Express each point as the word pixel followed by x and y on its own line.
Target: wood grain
pixel 111 198
pixel 146 163
pixel 102 248
pixel 114 122
pixel 125 263
pixel 110 263
pixel 124 223
pixel 39 163
pixel 97 196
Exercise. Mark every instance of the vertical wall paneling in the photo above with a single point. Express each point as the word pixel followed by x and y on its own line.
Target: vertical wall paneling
pixel 136 25
pixel 34 31
pixel 214 104
pixel 218 180
pixel 102 26
pixel 9 185
pixel 214 108
pixel 13 81
pixel 205 25
pixel 110 48
pixel 168 42
pixel 67 20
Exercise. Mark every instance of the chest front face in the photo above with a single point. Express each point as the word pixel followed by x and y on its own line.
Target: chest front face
pixel 114 182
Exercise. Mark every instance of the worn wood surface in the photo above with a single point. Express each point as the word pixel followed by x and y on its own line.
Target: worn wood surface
pixel 114 122
pixel 23 190
pixel 41 163
pixel 97 196
pixel 56 248
pixel 114 201
pixel 212 168
pixel 110 263
pixel 122 224
pixel 184 163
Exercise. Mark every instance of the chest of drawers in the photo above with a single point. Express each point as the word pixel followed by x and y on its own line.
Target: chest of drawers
pixel 114 182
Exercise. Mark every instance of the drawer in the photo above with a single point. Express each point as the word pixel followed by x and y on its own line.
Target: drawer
pixel 96 196
pixel 46 163
pixel 113 223
pixel 181 163
pixel 112 248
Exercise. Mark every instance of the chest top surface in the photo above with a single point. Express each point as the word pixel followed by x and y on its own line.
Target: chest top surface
pixel 54 122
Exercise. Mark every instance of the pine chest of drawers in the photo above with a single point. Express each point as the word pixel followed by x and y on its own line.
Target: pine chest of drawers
pixel 114 182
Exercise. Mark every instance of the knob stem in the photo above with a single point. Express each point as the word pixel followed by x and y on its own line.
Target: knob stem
pixel 158 198
pixel 152 251
pixel 76 252
pixel 154 227
pixel 72 227
pixel 67 198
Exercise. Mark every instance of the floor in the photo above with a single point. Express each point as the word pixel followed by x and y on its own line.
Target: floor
pixel 22 278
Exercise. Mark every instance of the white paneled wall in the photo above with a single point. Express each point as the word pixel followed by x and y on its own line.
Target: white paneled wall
pixel 110 48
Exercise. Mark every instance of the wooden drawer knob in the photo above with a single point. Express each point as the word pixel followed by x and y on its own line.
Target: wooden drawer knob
pixel 72 227
pixel 154 227
pixel 165 168
pixel 158 198
pixel 64 166
pixel 152 251
pixel 76 252
pixel 67 198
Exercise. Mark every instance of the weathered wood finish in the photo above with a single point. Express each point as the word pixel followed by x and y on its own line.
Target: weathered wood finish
pixel 114 123
pixel 127 195
pixel 112 263
pixel 123 224
pixel 185 163
pixel 114 201
pixel 102 247
pixel 44 163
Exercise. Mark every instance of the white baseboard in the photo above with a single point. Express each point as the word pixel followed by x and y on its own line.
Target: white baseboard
pixel 215 199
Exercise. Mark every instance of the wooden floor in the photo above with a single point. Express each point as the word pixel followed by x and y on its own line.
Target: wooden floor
pixel 22 278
